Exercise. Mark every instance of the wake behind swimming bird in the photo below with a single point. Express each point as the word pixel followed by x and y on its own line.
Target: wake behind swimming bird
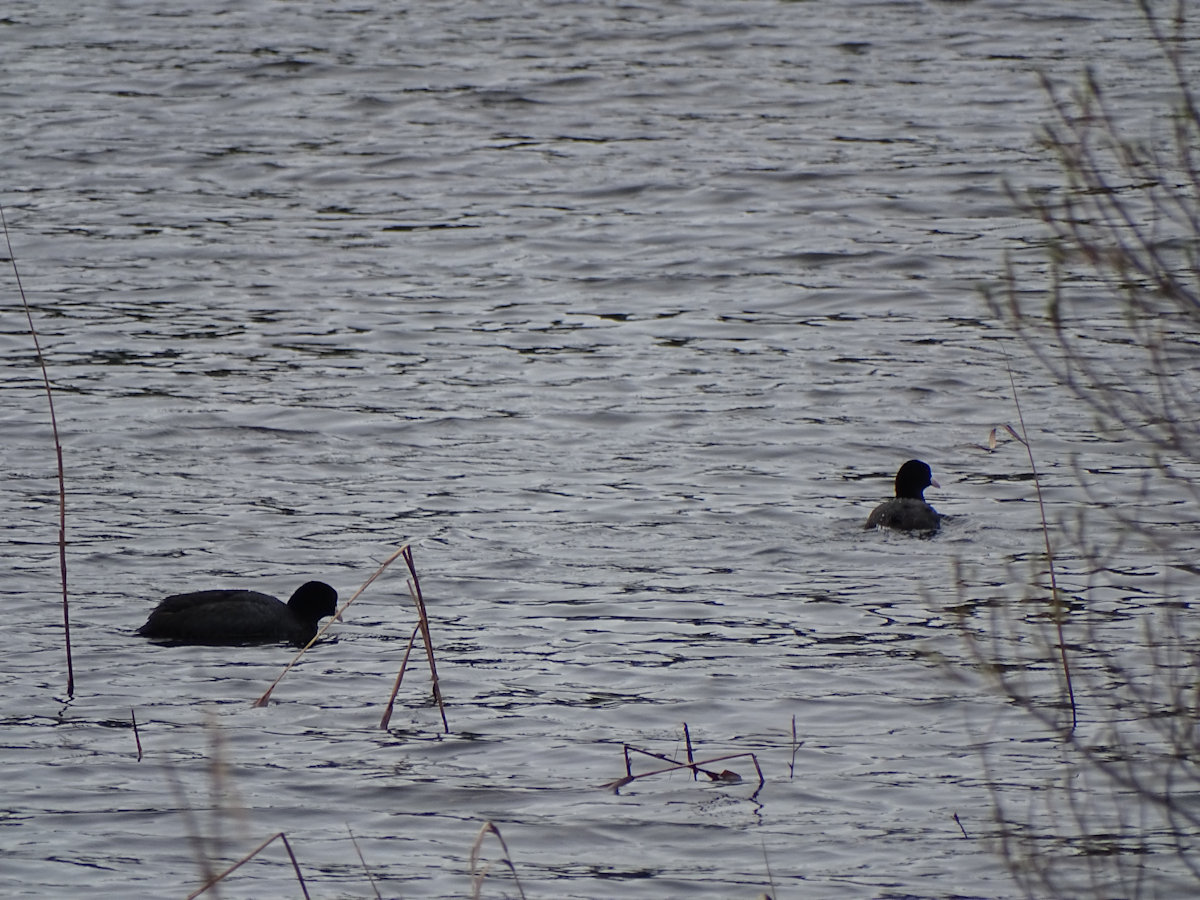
pixel 229 617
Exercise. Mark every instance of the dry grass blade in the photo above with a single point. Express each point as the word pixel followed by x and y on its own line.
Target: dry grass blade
pixel 191 826
pixel 767 865
pixel 479 874
pixel 249 856
pixel 62 483
pixel 387 713
pixel 263 700
pixel 358 850
pixel 414 588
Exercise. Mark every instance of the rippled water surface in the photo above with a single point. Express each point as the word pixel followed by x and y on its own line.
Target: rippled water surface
pixel 624 316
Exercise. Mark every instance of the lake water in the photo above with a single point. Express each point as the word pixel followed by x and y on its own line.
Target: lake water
pixel 624 315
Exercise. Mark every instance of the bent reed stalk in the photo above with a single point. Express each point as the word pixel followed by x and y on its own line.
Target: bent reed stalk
pixel 263 700
pixel 279 836
pixel 414 588
pixel 478 876
pixel 62 483
pixel 391 701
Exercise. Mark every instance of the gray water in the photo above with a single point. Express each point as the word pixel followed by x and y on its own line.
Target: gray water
pixel 623 316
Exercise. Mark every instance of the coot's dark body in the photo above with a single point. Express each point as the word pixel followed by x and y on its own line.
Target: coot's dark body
pixel 224 617
pixel 908 511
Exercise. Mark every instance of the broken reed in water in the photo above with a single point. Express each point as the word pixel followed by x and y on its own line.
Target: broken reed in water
pixel 414 588
pixel 697 767
pixel 249 856
pixel 391 702
pixel 262 701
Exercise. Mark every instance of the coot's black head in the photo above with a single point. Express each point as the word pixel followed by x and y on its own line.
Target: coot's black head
pixel 313 600
pixel 912 479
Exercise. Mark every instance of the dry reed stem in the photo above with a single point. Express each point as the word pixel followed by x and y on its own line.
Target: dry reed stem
pixel 262 701
pixel 190 825
pixel 137 738
pixel 478 877
pixel 62 483
pixel 414 588
pixel 358 850
pixel 249 856
pixel 629 765
pixel 687 739
pixel 796 745
pixel 959 823
pixel 387 713
pixel 1056 602
pixel 767 865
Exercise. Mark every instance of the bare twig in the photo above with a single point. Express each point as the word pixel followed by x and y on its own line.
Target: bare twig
pixel 1115 321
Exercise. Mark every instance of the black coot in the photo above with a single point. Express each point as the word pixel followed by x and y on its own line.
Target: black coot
pixel 241 617
pixel 908 510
